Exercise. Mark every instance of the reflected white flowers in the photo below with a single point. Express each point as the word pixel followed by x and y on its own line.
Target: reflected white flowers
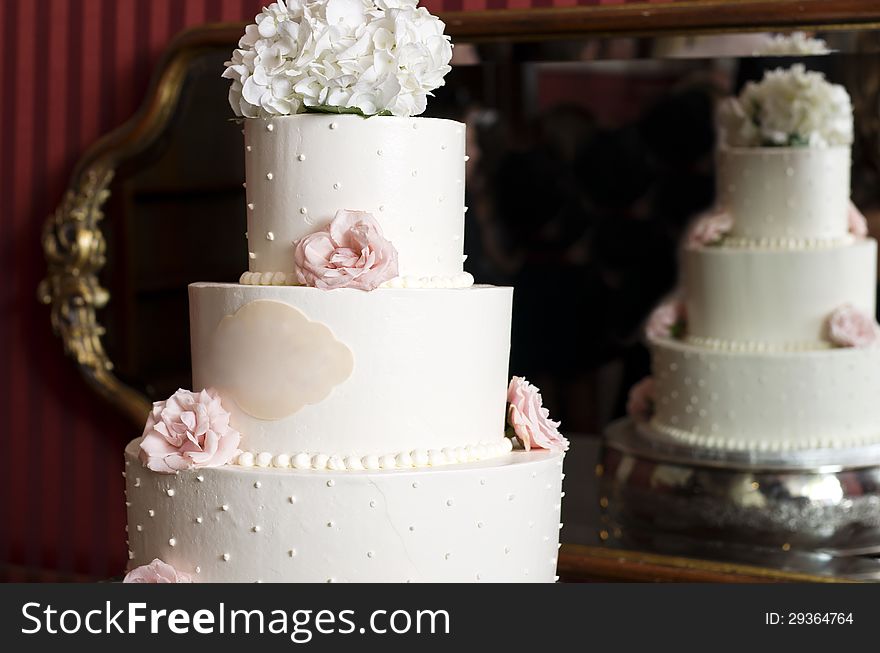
pixel 359 56
pixel 793 107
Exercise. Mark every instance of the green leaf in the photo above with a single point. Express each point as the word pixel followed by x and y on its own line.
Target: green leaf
pixel 325 108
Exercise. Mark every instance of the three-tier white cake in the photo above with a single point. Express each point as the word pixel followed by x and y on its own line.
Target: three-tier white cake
pixel 353 422
pixel 771 342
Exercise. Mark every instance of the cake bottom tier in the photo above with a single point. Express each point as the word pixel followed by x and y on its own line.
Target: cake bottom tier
pixel 491 521
pixel 766 401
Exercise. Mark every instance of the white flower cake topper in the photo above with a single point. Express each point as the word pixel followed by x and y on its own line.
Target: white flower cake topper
pixel 793 107
pixel 352 56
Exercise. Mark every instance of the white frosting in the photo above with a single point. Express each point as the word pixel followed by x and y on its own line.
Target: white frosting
pixel 430 367
pixel 785 193
pixel 779 298
pixel 407 172
pixel 490 521
pixel 403 459
pixel 767 400
pixel 460 280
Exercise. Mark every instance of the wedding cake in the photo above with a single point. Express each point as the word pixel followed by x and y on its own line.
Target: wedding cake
pixel 351 418
pixel 771 342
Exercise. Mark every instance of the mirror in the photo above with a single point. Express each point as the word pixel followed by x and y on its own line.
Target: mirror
pixel 588 157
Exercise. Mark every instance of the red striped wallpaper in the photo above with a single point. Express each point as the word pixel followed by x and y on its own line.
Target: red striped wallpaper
pixel 74 70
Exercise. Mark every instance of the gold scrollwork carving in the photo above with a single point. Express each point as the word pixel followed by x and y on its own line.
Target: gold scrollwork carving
pixel 74 247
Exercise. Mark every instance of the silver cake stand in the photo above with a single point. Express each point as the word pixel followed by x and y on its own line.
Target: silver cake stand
pixel 814 510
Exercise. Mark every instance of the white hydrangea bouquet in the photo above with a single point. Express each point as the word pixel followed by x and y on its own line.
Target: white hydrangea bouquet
pixel 370 57
pixel 793 107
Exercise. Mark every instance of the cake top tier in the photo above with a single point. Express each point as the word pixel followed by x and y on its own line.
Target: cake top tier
pixel 788 107
pixel 370 57
pixel 407 173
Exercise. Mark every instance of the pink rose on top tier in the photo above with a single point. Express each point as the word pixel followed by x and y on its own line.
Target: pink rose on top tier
pixel 156 572
pixel 858 226
pixel 529 419
pixel 350 253
pixel 190 429
pixel 640 404
pixel 667 320
pixel 709 229
pixel 850 327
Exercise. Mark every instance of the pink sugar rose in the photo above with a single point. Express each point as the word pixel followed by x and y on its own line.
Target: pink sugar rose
pixel 640 404
pixel 190 429
pixel 850 327
pixel 709 229
pixel 156 572
pixel 667 320
pixel 530 420
pixel 858 226
pixel 350 252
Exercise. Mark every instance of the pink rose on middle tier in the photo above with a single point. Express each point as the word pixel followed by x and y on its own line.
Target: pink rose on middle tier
pixel 667 320
pixel 709 228
pixel 529 419
pixel 851 327
pixel 351 252
pixel 856 222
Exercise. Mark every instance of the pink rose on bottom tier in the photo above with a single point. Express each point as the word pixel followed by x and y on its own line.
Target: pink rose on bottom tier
pixel 156 572
pixel 851 327
pixel 640 404
pixel 529 419
pixel 350 252
pixel 190 429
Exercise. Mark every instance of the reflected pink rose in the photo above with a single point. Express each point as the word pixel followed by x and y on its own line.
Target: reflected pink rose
pixel 640 404
pixel 709 229
pixel 530 420
pixel 156 572
pixel 858 226
pixel 350 253
pixel 850 327
pixel 667 320
pixel 190 429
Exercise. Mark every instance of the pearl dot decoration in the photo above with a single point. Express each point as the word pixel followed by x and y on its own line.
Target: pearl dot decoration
pixel 270 235
pixel 432 518
pixel 301 157
pixel 334 125
pixel 269 176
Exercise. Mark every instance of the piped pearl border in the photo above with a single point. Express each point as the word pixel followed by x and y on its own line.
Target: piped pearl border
pixel 786 243
pixel 737 444
pixel 400 460
pixel 460 280
pixel 753 347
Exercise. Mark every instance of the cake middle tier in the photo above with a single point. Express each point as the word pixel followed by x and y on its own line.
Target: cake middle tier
pixel 769 299
pixel 352 373
pixel 409 173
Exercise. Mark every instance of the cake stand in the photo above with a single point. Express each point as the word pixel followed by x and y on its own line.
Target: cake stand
pixel 810 508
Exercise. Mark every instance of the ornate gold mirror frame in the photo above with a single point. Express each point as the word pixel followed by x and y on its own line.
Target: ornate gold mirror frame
pixel 74 245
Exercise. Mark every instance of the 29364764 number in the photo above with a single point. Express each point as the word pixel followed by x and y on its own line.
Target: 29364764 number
pixel 808 618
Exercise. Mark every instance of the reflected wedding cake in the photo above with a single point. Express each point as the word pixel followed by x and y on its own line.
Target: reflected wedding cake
pixel 351 418
pixel 771 343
